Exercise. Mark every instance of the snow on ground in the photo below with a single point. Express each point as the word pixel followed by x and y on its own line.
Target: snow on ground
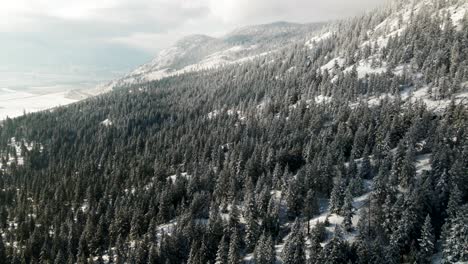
pixel 173 178
pixel 377 100
pixel 107 122
pixel 159 68
pixel 411 95
pixel 423 163
pixel 231 112
pixel 359 204
pixel 364 68
pixel 213 114
pixel 14 103
pixel 432 104
pixel 16 144
pixel 166 229
pixel 321 99
pixel 311 43
pixel 329 65
pixel 336 220
pixel 457 14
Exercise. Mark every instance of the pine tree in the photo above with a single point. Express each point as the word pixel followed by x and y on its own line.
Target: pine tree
pixel 264 250
pixel 311 207
pixel 234 222
pixel 251 233
pixel 454 202
pixel 294 249
pixel 408 170
pixel 153 254
pixel 141 254
pixel 336 198
pixel 234 254
pixel 223 249
pixel 426 242
pixel 315 250
pixel 365 171
pixel 59 258
pixel 455 242
pixel 335 251
pixel 194 255
pixel 294 199
pixel 347 211
pixel 3 255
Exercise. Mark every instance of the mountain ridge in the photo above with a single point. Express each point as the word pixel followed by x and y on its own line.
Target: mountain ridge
pixel 199 52
pixel 349 147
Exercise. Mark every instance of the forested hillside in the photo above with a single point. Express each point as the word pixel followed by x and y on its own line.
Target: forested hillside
pixel 350 148
pixel 201 52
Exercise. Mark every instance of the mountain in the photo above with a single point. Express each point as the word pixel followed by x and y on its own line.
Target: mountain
pixel 200 52
pixel 347 147
pixel 388 45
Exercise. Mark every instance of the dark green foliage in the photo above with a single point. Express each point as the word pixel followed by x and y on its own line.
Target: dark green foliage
pixel 170 181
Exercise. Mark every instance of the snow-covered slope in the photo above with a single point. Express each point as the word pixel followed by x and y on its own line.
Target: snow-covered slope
pixel 200 52
pixel 395 21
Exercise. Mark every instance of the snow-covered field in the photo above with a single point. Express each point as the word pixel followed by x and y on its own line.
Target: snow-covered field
pixel 14 103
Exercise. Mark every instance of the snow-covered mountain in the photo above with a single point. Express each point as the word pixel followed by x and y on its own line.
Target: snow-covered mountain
pixel 368 53
pixel 315 152
pixel 201 52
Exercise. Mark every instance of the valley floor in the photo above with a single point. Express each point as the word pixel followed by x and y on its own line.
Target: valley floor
pixel 14 103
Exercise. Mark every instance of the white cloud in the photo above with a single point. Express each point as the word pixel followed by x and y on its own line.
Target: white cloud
pixel 19 14
pixel 150 42
pixel 28 14
pixel 235 11
pixel 56 33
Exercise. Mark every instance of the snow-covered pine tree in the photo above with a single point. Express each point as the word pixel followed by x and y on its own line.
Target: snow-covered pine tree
pixel 294 249
pixel 455 244
pixel 336 197
pixel 348 211
pixel 408 171
pixel 264 250
pixel 311 207
pixel 223 249
pixel 234 254
pixel 251 232
pixel 426 242
pixel 315 250
pixel 194 255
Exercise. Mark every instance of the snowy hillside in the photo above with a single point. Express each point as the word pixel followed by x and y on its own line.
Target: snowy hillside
pixel 348 146
pixel 200 52
pixel 372 49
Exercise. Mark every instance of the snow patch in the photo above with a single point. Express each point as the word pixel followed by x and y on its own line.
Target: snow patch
pixel 331 64
pixel 312 42
pixel 107 122
pixel 174 177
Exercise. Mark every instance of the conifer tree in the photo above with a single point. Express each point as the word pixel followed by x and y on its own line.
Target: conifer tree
pixel 264 250
pixel 348 211
pixel 294 249
pixel 336 198
pixel 426 242
pixel 251 233
pixel 3 254
pixel 234 254
pixel 311 207
pixel 455 242
pixel 223 250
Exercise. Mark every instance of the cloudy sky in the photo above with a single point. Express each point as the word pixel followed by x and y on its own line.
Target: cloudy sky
pixel 99 40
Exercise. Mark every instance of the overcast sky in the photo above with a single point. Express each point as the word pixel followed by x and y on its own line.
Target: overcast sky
pixel 112 36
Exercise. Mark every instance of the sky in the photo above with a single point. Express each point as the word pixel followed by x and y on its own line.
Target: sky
pixel 83 42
